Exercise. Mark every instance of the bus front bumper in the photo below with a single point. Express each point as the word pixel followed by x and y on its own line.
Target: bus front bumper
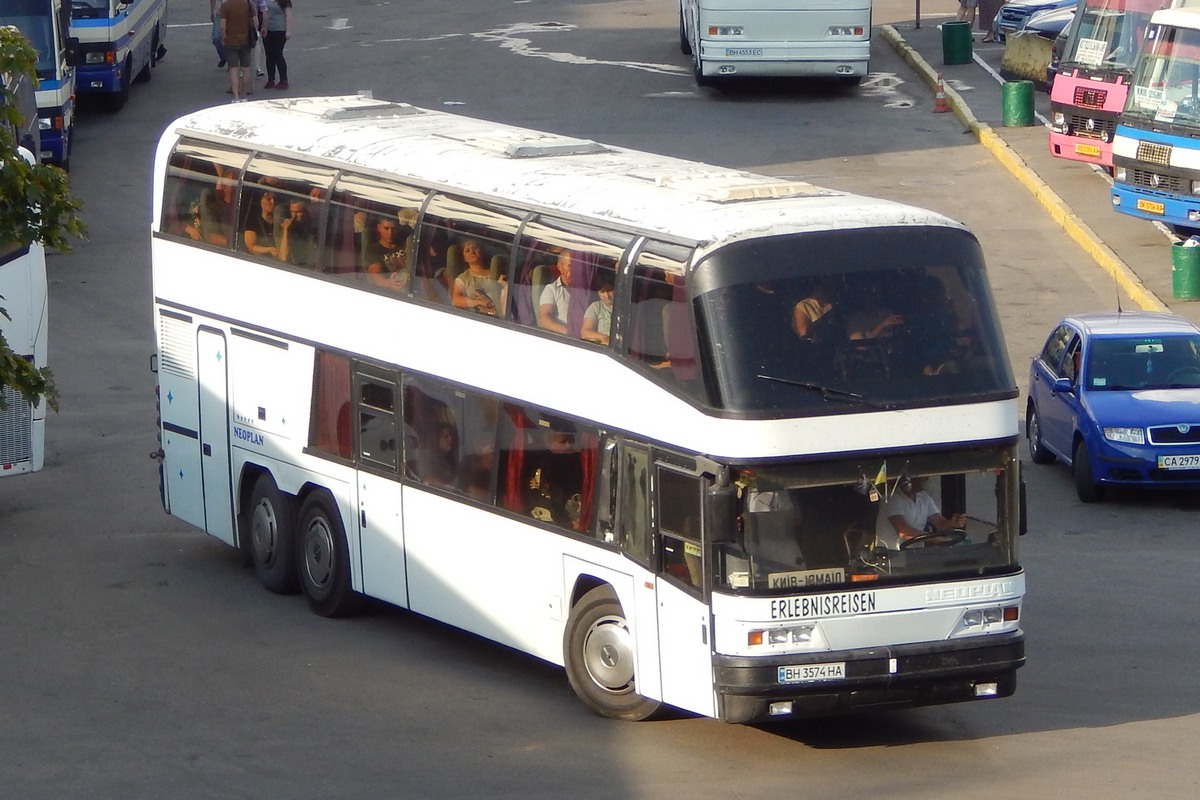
pixel 984 667
pixel 104 79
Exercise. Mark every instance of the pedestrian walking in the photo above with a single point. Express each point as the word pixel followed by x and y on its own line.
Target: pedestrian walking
pixel 278 31
pixel 213 7
pixel 988 9
pixel 260 9
pixel 966 11
pixel 237 25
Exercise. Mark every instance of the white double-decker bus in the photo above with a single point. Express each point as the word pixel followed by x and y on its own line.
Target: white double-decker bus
pixel 776 38
pixel 641 417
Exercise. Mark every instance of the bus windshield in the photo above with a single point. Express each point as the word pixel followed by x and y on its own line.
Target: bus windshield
pixel 850 320
pixel 1107 33
pixel 821 524
pixel 32 18
pixel 1166 85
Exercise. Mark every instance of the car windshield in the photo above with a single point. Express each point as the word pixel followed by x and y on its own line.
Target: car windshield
pixel 1143 362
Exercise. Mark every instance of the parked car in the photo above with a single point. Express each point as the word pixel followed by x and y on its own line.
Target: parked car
pixel 1012 16
pixel 1116 396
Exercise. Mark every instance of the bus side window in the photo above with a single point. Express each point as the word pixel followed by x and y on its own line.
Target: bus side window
pixel 330 432
pixel 679 507
pixel 548 468
pixel 633 503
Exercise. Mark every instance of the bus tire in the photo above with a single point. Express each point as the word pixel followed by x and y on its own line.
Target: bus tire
pixel 324 559
pixel 685 46
pixel 1086 487
pixel 272 537
pixel 599 654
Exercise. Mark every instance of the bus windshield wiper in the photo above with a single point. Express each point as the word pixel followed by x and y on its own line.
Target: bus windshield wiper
pixel 826 392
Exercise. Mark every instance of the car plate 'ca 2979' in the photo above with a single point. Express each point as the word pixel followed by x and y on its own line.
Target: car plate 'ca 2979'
pixel 807 673
pixel 1179 462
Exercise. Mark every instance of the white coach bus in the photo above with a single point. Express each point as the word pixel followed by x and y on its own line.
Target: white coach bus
pixel 576 399
pixel 776 38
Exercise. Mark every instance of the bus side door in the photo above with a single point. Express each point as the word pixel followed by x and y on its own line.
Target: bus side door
pixel 377 450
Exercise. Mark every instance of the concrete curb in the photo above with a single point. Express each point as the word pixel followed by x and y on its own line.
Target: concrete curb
pixel 1059 211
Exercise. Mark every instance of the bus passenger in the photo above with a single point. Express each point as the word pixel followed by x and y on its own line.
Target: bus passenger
pixel 475 287
pixel 597 320
pixel 298 236
pixel 214 218
pixel 386 263
pixel 556 478
pixel 555 301
pixel 258 237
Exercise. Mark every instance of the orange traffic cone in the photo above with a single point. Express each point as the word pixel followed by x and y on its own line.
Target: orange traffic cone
pixel 940 106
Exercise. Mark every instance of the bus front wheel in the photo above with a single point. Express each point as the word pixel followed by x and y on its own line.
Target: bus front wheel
pixel 599 654
pixel 325 559
pixel 272 536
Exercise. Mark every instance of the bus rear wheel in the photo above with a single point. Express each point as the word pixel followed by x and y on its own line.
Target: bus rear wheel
pixel 325 559
pixel 599 654
pixel 272 538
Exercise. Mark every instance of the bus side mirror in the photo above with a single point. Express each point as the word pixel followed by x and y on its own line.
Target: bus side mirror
pixel 720 515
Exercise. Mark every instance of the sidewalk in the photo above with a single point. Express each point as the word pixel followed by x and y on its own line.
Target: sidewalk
pixel 1135 252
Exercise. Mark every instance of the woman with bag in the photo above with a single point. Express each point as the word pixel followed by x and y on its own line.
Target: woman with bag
pixel 278 31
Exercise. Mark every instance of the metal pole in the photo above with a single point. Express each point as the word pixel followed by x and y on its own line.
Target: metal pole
pixel 918 24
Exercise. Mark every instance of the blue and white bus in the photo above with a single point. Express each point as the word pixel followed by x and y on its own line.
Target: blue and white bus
pixel 46 24
pixel 119 42
pixel 1156 155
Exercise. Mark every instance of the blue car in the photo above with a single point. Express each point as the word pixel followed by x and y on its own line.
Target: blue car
pixel 1116 396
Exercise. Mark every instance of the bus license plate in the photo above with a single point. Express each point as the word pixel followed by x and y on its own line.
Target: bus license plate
pixel 732 52
pixel 807 673
pixel 1150 206
pixel 1087 150
pixel 1179 462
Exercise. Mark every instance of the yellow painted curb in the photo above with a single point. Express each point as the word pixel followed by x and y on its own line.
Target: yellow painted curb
pixel 1059 211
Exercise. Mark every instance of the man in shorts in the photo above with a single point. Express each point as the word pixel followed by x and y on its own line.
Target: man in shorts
pixel 236 19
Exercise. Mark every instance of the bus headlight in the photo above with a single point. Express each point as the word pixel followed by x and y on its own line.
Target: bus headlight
pixel 1125 435
pixel 726 30
pixel 1119 173
pixel 845 30
pixel 782 636
pixel 1195 187
pixel 976 620
pixel 1058 119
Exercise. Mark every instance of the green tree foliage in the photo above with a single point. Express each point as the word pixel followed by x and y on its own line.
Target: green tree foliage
pixel 35 205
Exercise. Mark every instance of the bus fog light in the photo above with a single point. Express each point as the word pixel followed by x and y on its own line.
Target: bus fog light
pixel 726 69
pixel 986 690
pixel 1193 216
pixel 784 707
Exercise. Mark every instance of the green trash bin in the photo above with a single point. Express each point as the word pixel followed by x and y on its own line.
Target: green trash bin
pixel 1185 272
pixel 1018 104
pixel 956 43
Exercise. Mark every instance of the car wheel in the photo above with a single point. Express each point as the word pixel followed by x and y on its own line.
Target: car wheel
pixel 1033 432
pixel 1085 487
